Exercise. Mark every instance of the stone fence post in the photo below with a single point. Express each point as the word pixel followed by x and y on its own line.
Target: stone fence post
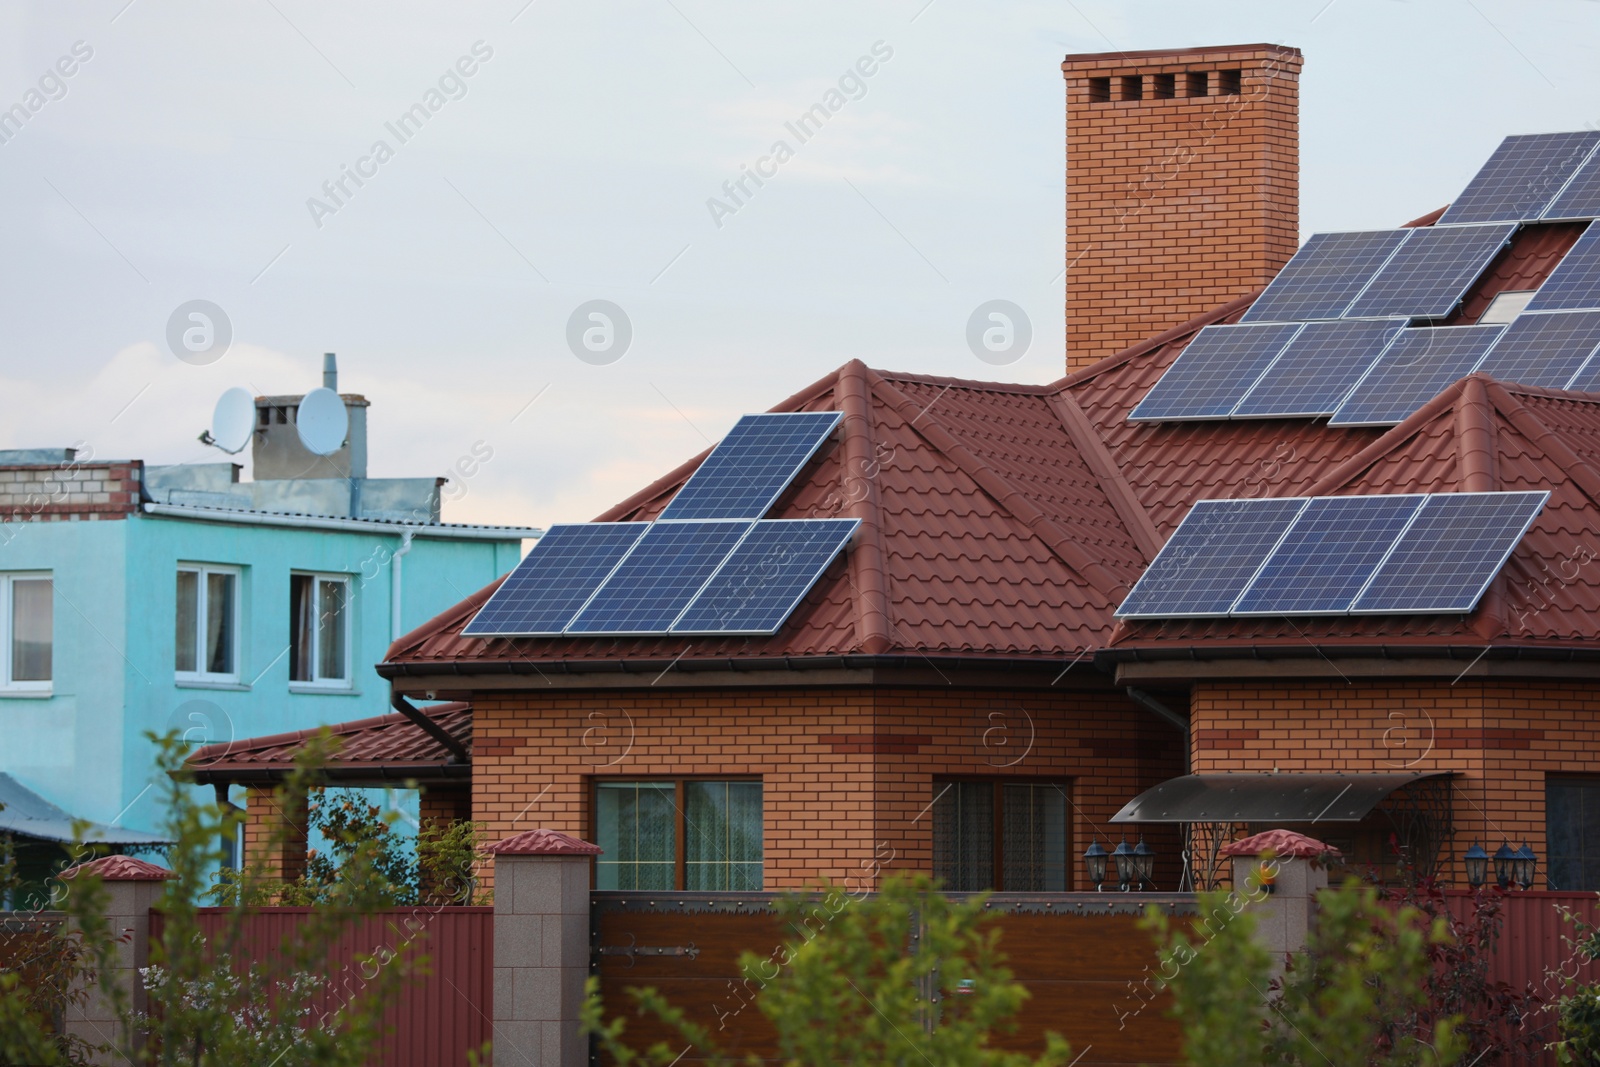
pixel 133 887
pixel 1283 918
pixel 541 948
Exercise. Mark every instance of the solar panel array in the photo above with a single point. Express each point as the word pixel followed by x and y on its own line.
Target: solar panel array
pixel 1364 555
pixel 1522 177
pixel 708 564
pixel 1339 286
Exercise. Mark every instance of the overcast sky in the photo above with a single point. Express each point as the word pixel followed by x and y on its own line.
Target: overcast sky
pixel 574 163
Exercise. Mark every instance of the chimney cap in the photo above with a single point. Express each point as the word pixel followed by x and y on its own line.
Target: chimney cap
pixel 1216 52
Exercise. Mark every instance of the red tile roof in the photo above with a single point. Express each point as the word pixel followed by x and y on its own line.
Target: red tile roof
pixel 1008 521
pixel 376 749
pixel 120 869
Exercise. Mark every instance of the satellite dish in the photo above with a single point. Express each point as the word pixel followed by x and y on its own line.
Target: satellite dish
pixel 233 421
pixel 322 422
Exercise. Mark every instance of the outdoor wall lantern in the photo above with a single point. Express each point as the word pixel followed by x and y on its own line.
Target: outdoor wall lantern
pixel 1514 866
pixel 1094 858
pixel 1135 866
pixel 1477 861
pixel 1144 863
pixel 1124 857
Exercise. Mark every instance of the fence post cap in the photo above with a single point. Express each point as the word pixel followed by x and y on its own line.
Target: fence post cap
pixel 543 843
pixel 1281 843
pixel 120 869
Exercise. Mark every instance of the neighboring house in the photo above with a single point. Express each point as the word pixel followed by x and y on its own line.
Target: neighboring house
pixel 137 599
pixel 958 693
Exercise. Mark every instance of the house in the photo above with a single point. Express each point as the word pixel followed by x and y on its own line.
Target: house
pixel 140 598
pixel 965 688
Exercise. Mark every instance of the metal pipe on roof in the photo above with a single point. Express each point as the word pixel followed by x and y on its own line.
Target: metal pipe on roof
pixel 329 522
pixel 1166 715
pixel 330 371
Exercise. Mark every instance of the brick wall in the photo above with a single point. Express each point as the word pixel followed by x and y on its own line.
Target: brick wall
pixel 847 773
pixel 1502 738
pixel 275 837
pixel 69 492
pixel 1175 203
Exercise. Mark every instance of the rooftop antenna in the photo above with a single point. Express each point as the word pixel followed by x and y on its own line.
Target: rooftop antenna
pixel 232 421
pixel 322 421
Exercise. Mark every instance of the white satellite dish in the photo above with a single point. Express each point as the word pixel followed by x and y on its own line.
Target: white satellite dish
pixel 322 421
pixel 234 420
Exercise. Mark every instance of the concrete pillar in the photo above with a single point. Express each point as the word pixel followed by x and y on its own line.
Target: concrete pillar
pixel 541 948
pixel 133 887
pixel 1283 861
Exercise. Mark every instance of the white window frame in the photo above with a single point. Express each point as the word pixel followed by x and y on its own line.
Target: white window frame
pixel 200 675
pixel 316 683
pixel 9 686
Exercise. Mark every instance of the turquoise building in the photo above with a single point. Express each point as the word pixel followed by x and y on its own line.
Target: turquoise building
pixel 137 599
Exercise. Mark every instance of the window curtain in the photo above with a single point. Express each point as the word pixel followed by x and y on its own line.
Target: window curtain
pixel 32 619
pixel 330 631
pixel 722 823
pixel 219 623
pixel 302 617
pixel 188 620
pixel 636 826
pixel 1034 852
pixel 963 835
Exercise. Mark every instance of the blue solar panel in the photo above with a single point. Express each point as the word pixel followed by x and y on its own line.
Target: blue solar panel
pixel 1328 555
pixel 1417 367
pixel 1428 275
pixel 1575 283
pixel 1454 548
pixel 651 587
pixel 1521 178
pixel 767 576
pixel 1326 274
pixel 1581 198
pixel 1546 350
pixel 1214 372
pixel 751 467
pixel 1210 558
pixel 554 580
pixel 1319 367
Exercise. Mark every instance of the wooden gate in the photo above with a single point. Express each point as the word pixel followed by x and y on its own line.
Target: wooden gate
pixel 1081 956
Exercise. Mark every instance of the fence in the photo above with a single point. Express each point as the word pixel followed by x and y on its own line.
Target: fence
pixel 439 1015
pixel 1080 955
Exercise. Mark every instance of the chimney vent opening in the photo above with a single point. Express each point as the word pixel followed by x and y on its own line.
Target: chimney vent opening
pixel 1195 83
pixel 1132 87
pixel 1099 90
pixel 1229 82
pixel 1164 86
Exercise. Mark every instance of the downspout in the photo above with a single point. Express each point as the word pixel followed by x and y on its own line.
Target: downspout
pixel 428 726
pixel 395 586
pixel 235 842
pixel 1166 715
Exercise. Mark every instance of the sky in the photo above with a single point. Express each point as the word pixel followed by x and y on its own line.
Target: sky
pixel 196 151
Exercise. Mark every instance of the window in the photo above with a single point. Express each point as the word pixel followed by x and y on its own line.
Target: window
pixel 319 630
pixel 1009 836
pixel 683 834
pixel 27 620
pixel 1572 833
pixel 207 624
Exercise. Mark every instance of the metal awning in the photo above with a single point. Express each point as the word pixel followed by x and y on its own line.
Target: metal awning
pixel 1253 798
pixel 27 814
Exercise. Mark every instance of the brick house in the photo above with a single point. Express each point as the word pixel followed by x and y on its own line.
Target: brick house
pixel 957 694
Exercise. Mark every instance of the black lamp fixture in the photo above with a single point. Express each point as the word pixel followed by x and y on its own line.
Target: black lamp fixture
pixel 1124 857
pixel 1144 863
pixel 1477 861
pixel 1523 864
pixel 1094 858
pixel 1502 865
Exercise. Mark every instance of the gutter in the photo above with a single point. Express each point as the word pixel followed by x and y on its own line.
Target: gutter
pixel 846 661
pixel 396 772
pixel 429 727
pixel 1166 715
pixel 332 523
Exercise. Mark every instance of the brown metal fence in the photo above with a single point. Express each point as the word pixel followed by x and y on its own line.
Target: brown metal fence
pixel 439 1016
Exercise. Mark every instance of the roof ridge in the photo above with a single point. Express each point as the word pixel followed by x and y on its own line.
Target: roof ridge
pixel 1529 425
pixel 867 566
pixel 996 485
pixel 1022 388
pixel 1092 447
pixel 1476 438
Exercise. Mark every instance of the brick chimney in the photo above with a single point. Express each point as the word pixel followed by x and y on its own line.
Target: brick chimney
pixel 1182 186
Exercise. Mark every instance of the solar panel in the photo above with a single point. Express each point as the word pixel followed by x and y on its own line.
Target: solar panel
pixel 751 467
pixel 1575 283
pixel 554 580
pixel 1214 372
pixel 651 587
pixel 767 576
pixel 1432 270
pixel 1417 367
pixel 1546 350
pixel 1452 551
pixel 1524 174
pixel 1210 558
pixel 1319 367
pixel 1581 198
pixel 1326 274
pixel 1328 555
